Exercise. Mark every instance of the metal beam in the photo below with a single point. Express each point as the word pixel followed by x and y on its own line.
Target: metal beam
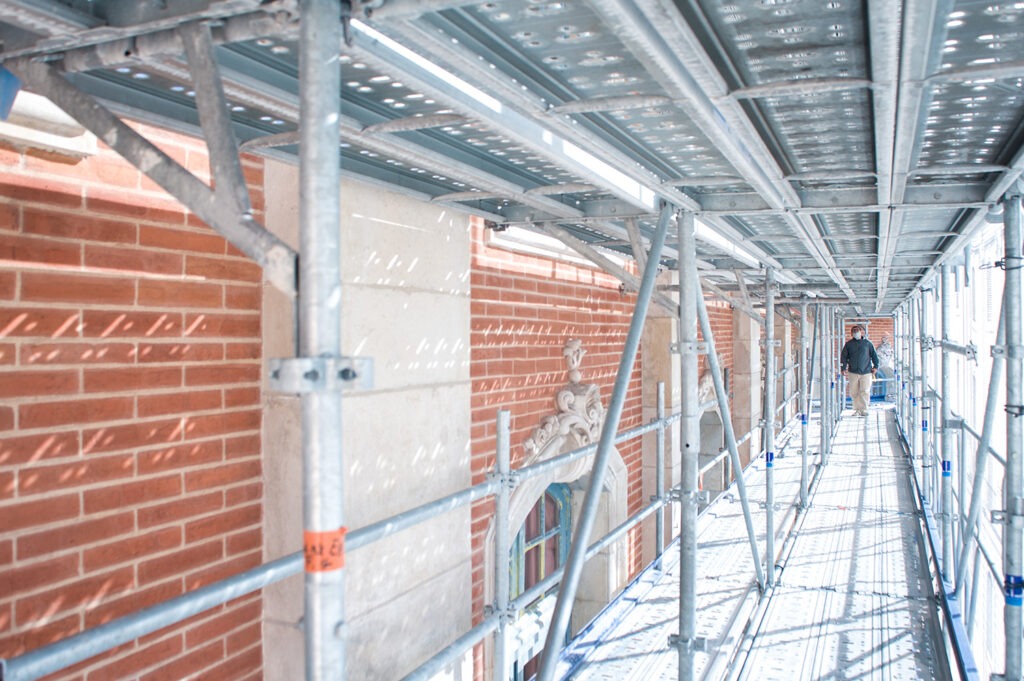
pixel 636 242
pixel 801 87
pixel 212 106
pixel 924 32
pixel 567 188
pixel 624 103
pixel 883 38
pixel 276 257
pixel 958 169
pixel 411 123
pixel 705 181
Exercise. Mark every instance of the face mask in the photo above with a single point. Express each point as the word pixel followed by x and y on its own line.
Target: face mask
pixel 857 335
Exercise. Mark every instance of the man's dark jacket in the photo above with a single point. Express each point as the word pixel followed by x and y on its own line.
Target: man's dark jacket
pixel 858 356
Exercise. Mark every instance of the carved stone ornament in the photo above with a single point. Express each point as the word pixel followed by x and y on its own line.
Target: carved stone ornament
pixel 579 416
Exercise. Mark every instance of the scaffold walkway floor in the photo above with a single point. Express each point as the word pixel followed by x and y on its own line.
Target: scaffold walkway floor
pixel 852 596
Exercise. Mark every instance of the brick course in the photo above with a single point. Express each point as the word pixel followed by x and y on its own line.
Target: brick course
pixel 130 369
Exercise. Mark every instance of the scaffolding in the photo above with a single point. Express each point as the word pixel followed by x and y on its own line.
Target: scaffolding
pixel 951 455
pixel 962 562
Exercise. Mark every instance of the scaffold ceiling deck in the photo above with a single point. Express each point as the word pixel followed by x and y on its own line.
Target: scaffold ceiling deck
pixel 851 146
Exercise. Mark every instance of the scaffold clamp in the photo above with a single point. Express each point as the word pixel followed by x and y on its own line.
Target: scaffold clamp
pixel 688 348
pixel 509 482
pixel 1008 351
pixel 699 645
pixel 299 375
pixel 693 497
pixel 1013 515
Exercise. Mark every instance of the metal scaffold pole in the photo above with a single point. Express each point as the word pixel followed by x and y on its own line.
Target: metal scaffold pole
pixel 805 402
pixel 502 540
pixel 320 339
pixel 1013 528
pixel 899 367
pixel 689 446
pixel 947 429
pixel 825 389
pixel 588 511
pixel 916 389
pixel 840 391
pixel 926 455
pixel 769 422
pixel 910 424
pixel 659 475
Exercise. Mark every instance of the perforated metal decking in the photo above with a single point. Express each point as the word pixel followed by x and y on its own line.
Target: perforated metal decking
pixel 852 598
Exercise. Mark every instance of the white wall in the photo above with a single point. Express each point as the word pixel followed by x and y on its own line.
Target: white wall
pixel 405 271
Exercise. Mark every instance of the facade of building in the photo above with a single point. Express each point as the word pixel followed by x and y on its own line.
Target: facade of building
pixel 143 455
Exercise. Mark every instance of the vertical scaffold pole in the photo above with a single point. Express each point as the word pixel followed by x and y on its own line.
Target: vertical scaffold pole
pixel 910 378
pixel 923 400
pixel 606 442
pixel 659 475
pixel 910 422
pixel 502 541
pixel 946 275
pixel 320 338
pixel 769 422
pixel 915 383
pixel 836 404
pixel 902 364
pixel 1013 529
pixel 689 447
pixel 805 402
pixel 825 390
pixel 837 396
pixel 837 343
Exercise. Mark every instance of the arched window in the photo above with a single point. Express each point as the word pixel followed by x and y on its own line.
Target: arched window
pixel 540 547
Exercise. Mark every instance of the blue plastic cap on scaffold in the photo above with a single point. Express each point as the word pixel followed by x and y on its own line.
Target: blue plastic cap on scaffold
pixel 10 84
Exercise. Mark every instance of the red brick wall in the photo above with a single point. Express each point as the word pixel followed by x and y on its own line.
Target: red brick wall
pixel 877 328
pixel 720 318
pixel 130 414
pixel 524 309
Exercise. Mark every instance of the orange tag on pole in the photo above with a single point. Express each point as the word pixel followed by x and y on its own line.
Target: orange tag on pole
pixel 324 551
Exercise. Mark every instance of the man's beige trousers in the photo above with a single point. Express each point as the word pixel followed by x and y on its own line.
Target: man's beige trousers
pixel 860 390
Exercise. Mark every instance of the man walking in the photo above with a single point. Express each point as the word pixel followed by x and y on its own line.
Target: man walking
pixel 859 362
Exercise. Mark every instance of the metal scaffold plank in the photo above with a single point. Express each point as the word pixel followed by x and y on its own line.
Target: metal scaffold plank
pixel 852 600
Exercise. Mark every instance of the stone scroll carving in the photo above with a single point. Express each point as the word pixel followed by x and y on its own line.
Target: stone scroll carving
pixel 579 413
